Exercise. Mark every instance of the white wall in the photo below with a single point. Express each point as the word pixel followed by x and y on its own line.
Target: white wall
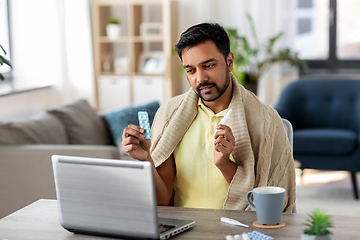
pixel 24 104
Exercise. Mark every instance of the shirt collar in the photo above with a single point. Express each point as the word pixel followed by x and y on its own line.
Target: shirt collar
pixel 209 111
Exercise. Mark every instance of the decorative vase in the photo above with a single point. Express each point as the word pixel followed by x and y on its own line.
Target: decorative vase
pixel 313 237
pixel 113 31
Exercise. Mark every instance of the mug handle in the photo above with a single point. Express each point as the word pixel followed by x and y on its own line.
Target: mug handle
pixel 249 199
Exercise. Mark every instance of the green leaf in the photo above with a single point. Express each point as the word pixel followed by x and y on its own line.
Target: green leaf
pixel 4 60
pixel 255 60
pixel 272 42
pixel 3 49
pixel 114 20
pixel 253 29
pixel 318 223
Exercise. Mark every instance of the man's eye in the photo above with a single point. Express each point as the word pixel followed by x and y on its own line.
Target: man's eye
pixel 209 65
pixel 189 70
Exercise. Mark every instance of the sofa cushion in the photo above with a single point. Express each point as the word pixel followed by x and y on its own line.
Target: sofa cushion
pixel 82 124
pixel 324 141
pixel 118 119
pixel 40 128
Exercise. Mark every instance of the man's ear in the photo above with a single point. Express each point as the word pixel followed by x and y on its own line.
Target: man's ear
pixel 230 61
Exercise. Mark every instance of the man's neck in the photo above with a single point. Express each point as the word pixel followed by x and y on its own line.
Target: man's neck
pixel 222 102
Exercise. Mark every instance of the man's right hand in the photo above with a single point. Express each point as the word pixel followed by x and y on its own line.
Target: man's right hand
pixel 134 144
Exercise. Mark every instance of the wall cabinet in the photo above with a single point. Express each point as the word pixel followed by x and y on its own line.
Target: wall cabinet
pixel 139 65
pixel 114 91
pixel 148 89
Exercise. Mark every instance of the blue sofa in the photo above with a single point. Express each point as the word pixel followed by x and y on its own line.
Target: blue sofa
pixel 325 114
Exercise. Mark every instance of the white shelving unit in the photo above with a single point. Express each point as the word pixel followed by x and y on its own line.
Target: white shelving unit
pixel 133 76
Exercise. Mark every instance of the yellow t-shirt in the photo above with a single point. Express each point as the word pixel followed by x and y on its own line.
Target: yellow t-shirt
pixel 199 183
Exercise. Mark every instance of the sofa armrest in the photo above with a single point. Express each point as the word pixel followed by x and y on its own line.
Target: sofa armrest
pixel 26 171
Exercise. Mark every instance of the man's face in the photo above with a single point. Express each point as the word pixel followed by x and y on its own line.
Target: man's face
pixel 207 70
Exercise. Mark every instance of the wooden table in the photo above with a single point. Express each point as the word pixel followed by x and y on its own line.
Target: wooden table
pixel 40 220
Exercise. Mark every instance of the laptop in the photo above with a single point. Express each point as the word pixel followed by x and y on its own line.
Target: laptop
pixel 107 197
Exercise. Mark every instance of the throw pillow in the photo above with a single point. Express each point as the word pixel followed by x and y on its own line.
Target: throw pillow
pixel 118 119
pixel 82 124
pixel 40 128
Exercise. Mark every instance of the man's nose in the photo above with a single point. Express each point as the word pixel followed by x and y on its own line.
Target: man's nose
pixel 201 76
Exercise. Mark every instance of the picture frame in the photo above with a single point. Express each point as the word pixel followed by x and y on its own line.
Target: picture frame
pixel 152 62
pixel 151 29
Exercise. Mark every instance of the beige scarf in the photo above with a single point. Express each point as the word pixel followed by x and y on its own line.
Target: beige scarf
pixel 262 151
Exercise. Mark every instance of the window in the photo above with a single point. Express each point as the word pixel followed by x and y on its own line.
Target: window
pixel 348 30
pixel 5 37
pixel 328 33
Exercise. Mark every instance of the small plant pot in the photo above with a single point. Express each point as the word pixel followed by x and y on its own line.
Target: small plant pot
pixel 313 237
pixel 113 31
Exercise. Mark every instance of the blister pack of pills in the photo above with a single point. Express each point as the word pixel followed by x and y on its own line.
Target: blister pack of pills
pixel 145 124
pixel 254 235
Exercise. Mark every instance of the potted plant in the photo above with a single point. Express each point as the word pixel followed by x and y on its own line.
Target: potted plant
pixel 3 60
pixel 318 226
pixel 113 28
pixel 250 62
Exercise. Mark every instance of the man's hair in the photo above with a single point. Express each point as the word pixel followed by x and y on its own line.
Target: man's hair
pixel 202 32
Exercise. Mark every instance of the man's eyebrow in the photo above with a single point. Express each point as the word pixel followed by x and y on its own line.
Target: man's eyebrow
pixel 202 63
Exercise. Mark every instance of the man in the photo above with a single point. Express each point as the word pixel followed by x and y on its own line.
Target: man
pixel 202 167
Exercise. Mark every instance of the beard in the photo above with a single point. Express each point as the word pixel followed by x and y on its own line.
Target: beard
pixel 221 90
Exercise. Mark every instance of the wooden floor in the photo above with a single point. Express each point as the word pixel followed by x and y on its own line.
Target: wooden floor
pixel 329 190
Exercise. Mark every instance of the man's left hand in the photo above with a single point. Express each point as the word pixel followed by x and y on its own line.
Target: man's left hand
pixel 223 145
